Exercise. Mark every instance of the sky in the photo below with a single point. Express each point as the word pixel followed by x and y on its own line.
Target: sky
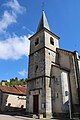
pixel 19 20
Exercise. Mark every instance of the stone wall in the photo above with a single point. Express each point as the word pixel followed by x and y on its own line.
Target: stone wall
pixel 67 62
pixel 34 48
pixel 36 87
pixel 36 64
pixel 59 85
pixel 47 41
pixel 41 56
pixel 48 104
pixel 14 101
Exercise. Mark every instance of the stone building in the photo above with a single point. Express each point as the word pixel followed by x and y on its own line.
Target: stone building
pixel 12 98
pixel 54 75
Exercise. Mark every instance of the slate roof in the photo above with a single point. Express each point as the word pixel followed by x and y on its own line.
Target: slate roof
pixel 18 90
pixel 43 23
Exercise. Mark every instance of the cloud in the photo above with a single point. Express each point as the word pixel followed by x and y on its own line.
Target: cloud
pixel 22 73
pixel 15 6
pixel 14 47
pixel 30 31
pixel 9 16
pixel 24 27
pixel 7 19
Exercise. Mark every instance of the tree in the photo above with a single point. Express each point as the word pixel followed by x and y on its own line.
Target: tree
pixel 16 79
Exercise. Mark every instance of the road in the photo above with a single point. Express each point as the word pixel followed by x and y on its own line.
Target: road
pixel 10 117
pixel 15 117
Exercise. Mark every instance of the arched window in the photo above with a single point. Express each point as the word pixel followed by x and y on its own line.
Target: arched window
pixel 36 41
pixel 51 41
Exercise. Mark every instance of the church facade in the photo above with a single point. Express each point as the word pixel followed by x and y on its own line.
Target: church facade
pixel 53 76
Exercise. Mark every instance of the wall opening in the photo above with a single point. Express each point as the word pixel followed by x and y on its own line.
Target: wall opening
pixel 36 41
pixel 36 68
pixel 36 104
pixel 51 41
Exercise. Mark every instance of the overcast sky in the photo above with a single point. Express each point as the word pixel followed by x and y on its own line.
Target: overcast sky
pixel 19 20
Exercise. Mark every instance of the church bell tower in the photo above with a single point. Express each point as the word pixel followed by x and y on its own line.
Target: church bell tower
pixel 43 46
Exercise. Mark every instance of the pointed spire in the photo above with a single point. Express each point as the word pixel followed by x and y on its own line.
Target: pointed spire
pixel 43 22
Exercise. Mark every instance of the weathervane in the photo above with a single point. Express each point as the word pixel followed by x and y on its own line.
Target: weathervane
pixel 42 5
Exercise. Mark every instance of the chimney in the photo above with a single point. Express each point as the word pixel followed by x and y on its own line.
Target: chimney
pixel 76 53
pixel 3 83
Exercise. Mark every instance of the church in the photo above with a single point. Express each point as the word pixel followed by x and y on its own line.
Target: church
pixel 53 75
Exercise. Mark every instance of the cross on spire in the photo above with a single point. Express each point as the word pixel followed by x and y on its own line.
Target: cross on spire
pixel 42 5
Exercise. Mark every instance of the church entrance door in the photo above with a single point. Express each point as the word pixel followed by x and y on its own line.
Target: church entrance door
pixel 36 104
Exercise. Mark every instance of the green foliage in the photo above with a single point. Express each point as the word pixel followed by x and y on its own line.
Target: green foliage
pixel 15 81
pixel 0 83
